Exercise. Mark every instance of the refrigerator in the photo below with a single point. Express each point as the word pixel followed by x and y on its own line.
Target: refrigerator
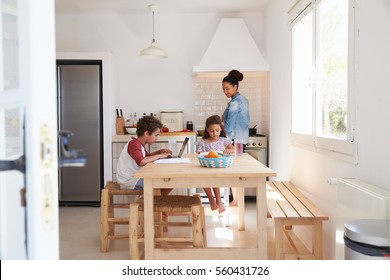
pixel 79 101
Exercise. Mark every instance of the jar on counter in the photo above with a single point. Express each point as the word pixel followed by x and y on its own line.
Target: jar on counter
pixel 190 126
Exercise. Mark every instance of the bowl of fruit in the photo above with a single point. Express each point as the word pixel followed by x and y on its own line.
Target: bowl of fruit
pixel 214 159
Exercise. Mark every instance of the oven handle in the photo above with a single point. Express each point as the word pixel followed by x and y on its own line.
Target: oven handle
pixel 254 149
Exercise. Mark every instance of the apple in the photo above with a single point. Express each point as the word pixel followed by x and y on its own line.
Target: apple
pixel 165 129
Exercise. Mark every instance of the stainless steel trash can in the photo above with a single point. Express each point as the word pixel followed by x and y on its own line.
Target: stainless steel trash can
pixel 367 239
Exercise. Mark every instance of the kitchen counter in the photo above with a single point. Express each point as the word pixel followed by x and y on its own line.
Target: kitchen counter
pixel 164 136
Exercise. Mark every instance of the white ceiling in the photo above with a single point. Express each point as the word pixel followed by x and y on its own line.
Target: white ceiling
pixel 141 6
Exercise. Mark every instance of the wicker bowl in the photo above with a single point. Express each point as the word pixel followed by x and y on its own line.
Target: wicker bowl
pixel 221 162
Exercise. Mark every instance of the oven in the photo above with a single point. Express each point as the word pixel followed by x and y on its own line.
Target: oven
pixel 256 147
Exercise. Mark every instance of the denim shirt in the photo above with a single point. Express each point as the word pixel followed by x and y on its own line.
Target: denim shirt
pixel 236 118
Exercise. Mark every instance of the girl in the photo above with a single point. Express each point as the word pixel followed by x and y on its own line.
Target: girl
pixel 214 138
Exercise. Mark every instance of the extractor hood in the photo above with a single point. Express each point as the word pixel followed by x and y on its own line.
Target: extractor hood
pixel 232 47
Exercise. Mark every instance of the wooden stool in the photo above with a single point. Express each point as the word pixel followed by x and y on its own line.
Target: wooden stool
pixel 170 205
pixel 107 213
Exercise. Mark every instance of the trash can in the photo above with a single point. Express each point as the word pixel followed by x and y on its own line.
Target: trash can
pixel 367 239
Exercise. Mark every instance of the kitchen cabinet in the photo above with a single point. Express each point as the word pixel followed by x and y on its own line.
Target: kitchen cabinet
pixel 120 141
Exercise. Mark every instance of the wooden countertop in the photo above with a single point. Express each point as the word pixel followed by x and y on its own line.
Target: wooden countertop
pixel 163 136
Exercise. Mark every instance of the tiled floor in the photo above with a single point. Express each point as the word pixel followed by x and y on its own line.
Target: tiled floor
pixel 80 233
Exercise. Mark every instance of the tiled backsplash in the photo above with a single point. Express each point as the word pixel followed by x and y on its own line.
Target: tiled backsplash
pixel 210 99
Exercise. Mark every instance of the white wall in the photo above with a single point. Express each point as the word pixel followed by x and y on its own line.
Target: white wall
pixel 147 86
pixel 310 170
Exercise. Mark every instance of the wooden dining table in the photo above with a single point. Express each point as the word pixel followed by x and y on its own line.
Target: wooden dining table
pixel 245 172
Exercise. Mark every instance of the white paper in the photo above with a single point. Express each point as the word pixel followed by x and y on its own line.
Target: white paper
pixel 173 160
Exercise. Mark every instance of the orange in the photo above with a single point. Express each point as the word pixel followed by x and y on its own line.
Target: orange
pixel 212 154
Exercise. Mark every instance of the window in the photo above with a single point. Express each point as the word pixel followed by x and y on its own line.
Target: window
pixel 322 74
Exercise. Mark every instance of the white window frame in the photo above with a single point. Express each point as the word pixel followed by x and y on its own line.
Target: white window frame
pixel 342 149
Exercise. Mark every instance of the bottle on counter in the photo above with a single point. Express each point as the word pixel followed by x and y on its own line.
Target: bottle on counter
pixel 135 120
pixel 129 121
pixel 190 126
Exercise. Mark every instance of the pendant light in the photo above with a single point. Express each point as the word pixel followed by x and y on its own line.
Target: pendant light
pixel 153 52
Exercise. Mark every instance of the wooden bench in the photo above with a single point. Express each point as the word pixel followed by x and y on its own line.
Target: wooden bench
pixel 289 207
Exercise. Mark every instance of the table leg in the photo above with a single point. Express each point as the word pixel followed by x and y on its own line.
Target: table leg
pixel 241 208
pixel 261 207
pixel 148 219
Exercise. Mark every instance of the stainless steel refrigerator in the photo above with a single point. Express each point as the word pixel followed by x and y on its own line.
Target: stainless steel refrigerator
pixel 79 95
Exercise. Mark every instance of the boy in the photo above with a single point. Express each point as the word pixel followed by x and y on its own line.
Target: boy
pixel 134 154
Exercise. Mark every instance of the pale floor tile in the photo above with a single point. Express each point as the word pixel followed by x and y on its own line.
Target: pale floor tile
pixel 80 234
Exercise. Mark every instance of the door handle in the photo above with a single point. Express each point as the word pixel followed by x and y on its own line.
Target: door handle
pixel 17 164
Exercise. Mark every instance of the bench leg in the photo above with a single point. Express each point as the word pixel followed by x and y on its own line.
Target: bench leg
pixel 317 240
pixel 278 239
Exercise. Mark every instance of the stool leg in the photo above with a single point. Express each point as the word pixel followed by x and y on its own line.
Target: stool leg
pixel 111 214
pixel 197 231
pixel 133 231
pixel 104 228
pixel 202 220
pixel 203 226
pixel 158 230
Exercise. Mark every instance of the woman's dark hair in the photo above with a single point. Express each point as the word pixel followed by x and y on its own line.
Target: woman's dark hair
pixel 233 77
pixel 215 119
pixel 149 124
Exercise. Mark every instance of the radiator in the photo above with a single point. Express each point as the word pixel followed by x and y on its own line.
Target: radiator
pixel 358 200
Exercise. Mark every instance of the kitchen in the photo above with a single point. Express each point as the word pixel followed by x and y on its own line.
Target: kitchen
pixel 118 37
pixel 171 83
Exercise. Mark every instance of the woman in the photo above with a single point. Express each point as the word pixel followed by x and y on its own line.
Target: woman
pixel 236 114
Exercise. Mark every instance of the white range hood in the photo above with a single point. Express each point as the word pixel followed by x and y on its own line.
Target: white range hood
pixel 232 47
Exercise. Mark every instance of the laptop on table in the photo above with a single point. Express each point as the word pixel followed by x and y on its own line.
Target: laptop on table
pixel 183 147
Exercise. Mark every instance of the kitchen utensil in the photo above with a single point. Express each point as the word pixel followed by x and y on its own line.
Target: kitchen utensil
pixel 200 132
pixel 131 130
pixel 253 130
pixel 119 123
pixel 190 125
pixel 223 161
pixel 174 120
